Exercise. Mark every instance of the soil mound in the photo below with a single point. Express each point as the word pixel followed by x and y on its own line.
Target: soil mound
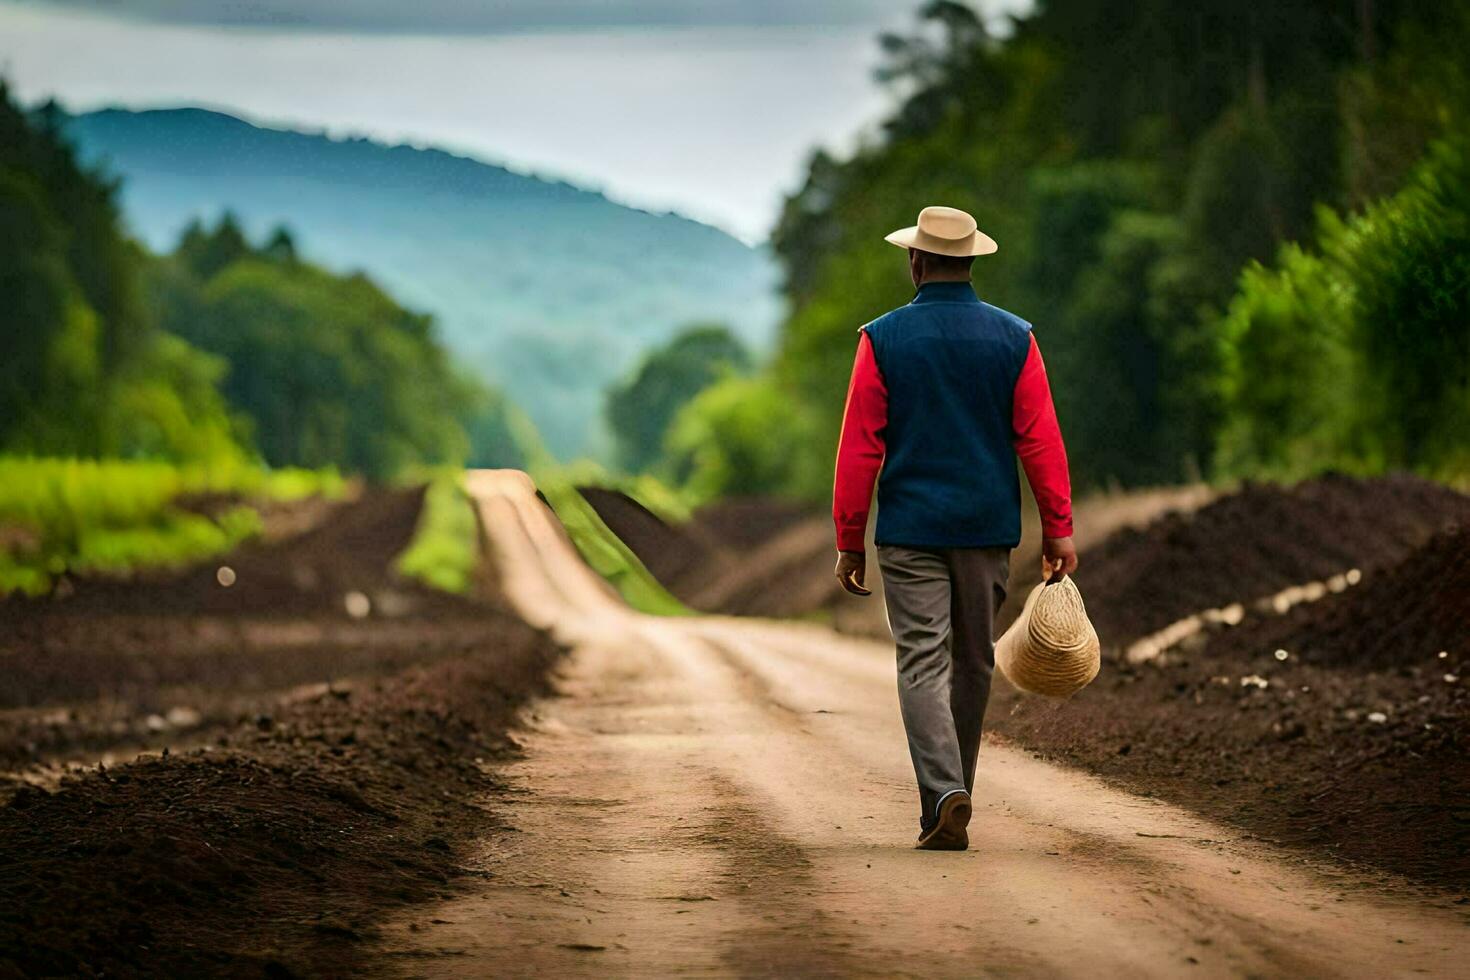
pixel 747 522
pixel 1356 742
pixel 1255 542
pixel 351 549
pixel 677 556
pixel 309 825
pixel 787 576
pixel 1400 618
pixel 318 772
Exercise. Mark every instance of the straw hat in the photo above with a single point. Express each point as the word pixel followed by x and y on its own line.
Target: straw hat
pixel 1051 648
pixel 944 231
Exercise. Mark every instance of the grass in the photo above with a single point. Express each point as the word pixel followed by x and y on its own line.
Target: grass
pixel 602 549
pixel 672 505
pixel 445 547
pixel 117 516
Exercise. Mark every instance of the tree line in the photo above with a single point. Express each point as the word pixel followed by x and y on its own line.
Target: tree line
pixel 222 350
pixel 1240 230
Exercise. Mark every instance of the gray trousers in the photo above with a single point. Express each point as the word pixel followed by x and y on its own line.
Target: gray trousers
pixel 942 605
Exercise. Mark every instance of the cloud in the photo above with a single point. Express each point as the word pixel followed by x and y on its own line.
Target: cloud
pixel 493 16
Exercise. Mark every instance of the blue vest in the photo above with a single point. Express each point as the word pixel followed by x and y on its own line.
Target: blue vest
pixel 950 363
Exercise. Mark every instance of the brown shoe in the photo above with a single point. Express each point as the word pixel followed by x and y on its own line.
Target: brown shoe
pixel 948 832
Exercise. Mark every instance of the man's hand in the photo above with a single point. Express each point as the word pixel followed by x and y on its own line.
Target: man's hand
pixel 1058 557
pixel 852 569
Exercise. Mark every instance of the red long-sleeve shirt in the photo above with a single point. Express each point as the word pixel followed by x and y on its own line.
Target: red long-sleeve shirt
pixel 1036 437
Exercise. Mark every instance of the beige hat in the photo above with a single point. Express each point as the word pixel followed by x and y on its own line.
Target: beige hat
pixel 944 231
pixel 1051 648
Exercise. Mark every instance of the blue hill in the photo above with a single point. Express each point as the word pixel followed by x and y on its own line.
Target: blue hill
pixel 548 290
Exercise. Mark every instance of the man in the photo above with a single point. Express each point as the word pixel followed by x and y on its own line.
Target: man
pixel 946 392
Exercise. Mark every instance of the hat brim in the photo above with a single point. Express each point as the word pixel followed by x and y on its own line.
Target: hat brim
pixel 977 243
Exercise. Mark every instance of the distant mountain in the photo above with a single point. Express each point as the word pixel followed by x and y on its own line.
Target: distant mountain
pixel 547 290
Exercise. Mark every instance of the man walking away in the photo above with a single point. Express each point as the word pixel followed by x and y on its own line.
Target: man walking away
pixel 946 393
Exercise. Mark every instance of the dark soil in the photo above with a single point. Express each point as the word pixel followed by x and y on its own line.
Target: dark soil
pixel 746 522
pixel 102 664
pixel 1399 618
pixel 89 687
pixel 351 549
pixel 674 555
pixel 1256 542
pixel 324 775
pixel 1358 745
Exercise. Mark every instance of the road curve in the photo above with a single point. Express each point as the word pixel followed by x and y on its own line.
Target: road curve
pixel 710 796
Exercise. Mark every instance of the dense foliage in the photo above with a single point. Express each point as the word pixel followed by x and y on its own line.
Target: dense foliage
pixel 1132 159
pixel 743 436
pixel 1357 352
pixel 329 368
pixel 641 409
pixel 83 368
pixel 223 351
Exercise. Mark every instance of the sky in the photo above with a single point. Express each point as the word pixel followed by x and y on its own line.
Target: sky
pixel 707 107
pixel 456 16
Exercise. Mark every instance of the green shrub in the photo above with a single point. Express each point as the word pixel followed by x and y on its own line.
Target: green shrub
pixel 1290 373
pixel 446 545
pixel 738 437
pixel 1356 355
pixel 1407 260
pixel 640 409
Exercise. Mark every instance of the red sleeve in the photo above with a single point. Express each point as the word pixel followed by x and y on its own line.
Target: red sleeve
pixel 860 450
pixel 1038 442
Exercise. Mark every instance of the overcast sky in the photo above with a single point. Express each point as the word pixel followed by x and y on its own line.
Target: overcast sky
pixel 455 16
pixel 707 107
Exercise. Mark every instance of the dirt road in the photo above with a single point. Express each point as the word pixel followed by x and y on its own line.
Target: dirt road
pixel 712 796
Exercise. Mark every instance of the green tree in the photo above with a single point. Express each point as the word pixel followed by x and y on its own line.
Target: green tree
pixel 1357 354
pixel 326 369
pixel 735 437
pixel 640 410
pixel 213 352
pixel 500 434
pixel 205 253
pixel 84 369
pixel 168 405
pixel 1291 379
pixel 1130 158
pixel 1408 262
pixel 49 370
pixel 330 370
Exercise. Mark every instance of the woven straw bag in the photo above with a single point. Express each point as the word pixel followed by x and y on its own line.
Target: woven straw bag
pixel 1051 648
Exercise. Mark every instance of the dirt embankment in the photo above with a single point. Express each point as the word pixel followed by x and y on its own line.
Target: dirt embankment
pixel 1342 726
pixel 742 557
pixel 307 772
pixel 733 557
pixel 109 665
pixel 1255 542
